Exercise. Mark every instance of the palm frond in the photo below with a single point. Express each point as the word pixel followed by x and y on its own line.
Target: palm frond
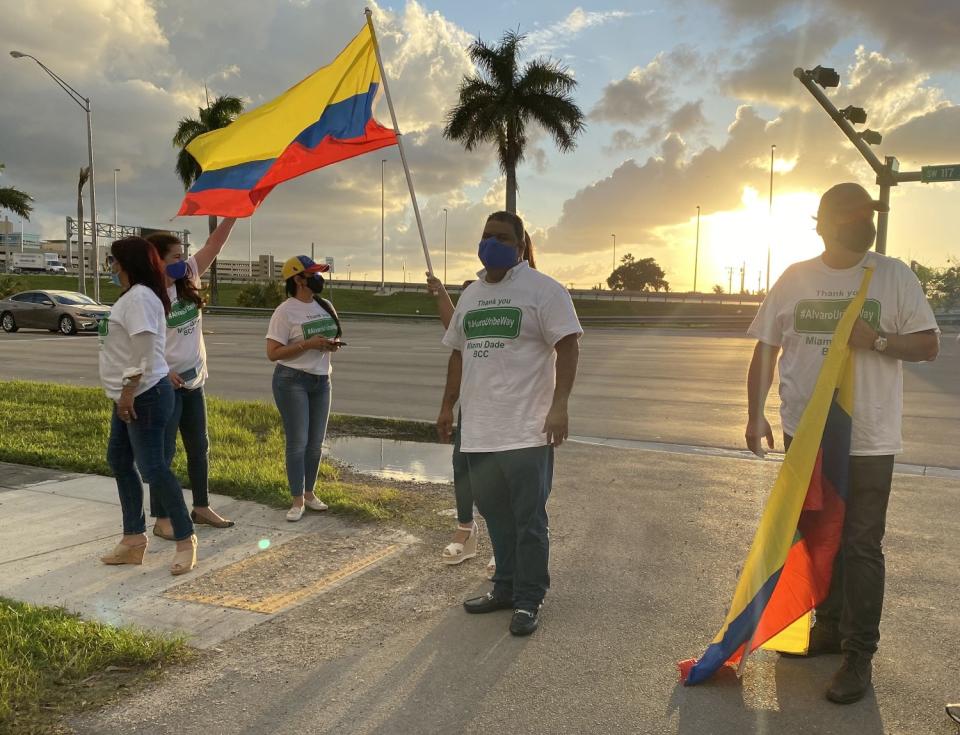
pixel 188 170
pixel 16 201
pixel 559 116
pixel 187 130
pixel 546 76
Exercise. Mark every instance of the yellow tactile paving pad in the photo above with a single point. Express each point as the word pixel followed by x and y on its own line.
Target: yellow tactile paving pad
pixel 283 576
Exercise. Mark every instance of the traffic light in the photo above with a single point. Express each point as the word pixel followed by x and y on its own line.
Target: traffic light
pixel 871 137
pixel 856 115
pixel 825 76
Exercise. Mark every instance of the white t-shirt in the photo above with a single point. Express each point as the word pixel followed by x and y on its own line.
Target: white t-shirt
pixel 137 311
pixel 186 351
pixel 801 313
pixel 506 333
pixel 294 321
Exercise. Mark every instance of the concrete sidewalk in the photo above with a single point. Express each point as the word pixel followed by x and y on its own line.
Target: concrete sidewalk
pixel 55 525
pixel 645 551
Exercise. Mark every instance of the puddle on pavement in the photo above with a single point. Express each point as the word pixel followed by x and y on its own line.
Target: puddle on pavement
pixel 394 460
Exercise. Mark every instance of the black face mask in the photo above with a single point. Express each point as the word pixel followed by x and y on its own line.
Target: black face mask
pixel 857 236
pixel 315 283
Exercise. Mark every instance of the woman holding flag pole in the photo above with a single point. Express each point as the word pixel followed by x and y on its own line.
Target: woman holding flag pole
pixel 187 358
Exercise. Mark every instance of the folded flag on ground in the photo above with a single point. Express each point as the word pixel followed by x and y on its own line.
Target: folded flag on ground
pixel 788 569
pixel 326 118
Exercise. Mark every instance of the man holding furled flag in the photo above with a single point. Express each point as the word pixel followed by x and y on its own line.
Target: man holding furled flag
pixel 844 321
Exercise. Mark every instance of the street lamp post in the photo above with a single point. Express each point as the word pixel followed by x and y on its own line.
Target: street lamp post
pixel 696 252
pixel 614 251
pixel 383 286
pixel 115 217
pixel 770 216
pixel 84 102
pixel 444 246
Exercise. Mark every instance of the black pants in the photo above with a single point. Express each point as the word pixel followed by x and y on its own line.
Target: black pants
pixel 511 490
pixel 855 602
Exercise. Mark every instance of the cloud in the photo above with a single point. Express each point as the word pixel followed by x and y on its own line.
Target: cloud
pixel 923 30
pixel 927 139
pixel 641 96
pixel 554 36
pixel 144 66
pixel 767 74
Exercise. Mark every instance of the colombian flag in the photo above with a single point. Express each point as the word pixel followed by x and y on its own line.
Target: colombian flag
pixel 326 118
pixel 788 569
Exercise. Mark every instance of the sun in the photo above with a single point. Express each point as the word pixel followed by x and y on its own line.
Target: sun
pixel 739 239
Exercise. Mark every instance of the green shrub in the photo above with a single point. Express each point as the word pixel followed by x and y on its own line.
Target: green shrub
pixel 263 295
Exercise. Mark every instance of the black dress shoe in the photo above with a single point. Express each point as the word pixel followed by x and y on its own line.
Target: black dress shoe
pixel 852 681
pixel 524 622
pixel 487 603
pixel 823 642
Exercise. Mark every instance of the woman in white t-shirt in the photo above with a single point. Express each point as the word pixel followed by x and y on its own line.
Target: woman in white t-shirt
pixel 187 358
pixel 134 375
pixel 304 330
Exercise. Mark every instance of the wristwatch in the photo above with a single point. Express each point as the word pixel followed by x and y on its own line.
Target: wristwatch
pixel 880 343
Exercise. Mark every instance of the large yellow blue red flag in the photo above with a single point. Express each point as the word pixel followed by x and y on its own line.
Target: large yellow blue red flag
pixel 326 118
pixel 788 569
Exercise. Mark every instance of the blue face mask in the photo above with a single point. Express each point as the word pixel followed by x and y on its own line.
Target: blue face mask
pixel 115 278
pixel 177 270
pixel 496 255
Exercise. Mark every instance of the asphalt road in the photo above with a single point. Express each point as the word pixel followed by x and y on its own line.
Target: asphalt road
pixel 653 385
pixel 645 550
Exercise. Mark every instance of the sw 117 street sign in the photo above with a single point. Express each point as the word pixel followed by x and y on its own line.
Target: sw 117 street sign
pixel 941 172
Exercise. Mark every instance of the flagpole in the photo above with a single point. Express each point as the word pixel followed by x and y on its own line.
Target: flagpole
pixel 396 129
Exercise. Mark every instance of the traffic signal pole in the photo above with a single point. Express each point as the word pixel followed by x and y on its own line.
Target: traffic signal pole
pixel 887 171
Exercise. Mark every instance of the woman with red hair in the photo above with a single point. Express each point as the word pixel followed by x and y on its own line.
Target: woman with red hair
pixel 134 375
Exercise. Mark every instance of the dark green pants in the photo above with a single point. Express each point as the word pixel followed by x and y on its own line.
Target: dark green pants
pixel 511 490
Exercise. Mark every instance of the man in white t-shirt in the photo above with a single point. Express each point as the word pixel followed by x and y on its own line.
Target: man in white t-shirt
pixel 515 341
pixel 799 317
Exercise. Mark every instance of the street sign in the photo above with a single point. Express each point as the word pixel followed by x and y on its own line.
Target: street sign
pixel 329 262
pixel 941 172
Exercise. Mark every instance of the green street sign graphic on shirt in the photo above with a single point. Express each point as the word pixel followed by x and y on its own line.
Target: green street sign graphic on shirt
pixel 182 312
pixel 324 327
pixel 501 321
pixel 820 316
pixel 103 328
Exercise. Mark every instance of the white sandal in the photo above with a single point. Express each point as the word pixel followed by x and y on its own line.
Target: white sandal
pixel 456 553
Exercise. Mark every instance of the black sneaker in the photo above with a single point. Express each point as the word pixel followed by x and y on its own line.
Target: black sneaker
pixel 524 622
pixel 487 603
pixel 852 681
pixel 823 642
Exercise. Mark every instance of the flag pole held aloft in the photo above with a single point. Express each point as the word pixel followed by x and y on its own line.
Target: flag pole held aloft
pixel 396 128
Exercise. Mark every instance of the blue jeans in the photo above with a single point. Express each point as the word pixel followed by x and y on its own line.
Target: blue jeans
pixel 142 441
pixel 190 419
pixel 303 400
pixel 511 489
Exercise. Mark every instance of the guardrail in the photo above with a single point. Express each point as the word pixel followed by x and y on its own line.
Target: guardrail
pixel 725 320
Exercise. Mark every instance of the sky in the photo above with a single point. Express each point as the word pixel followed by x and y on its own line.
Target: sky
pixel 683 101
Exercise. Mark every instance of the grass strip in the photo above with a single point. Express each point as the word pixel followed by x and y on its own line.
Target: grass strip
pixel 52 661
pixel 355 300
pixel 66 427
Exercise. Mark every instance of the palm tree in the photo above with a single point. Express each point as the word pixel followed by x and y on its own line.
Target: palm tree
pixel 221 113
pixel 501 99
pixel 16 201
